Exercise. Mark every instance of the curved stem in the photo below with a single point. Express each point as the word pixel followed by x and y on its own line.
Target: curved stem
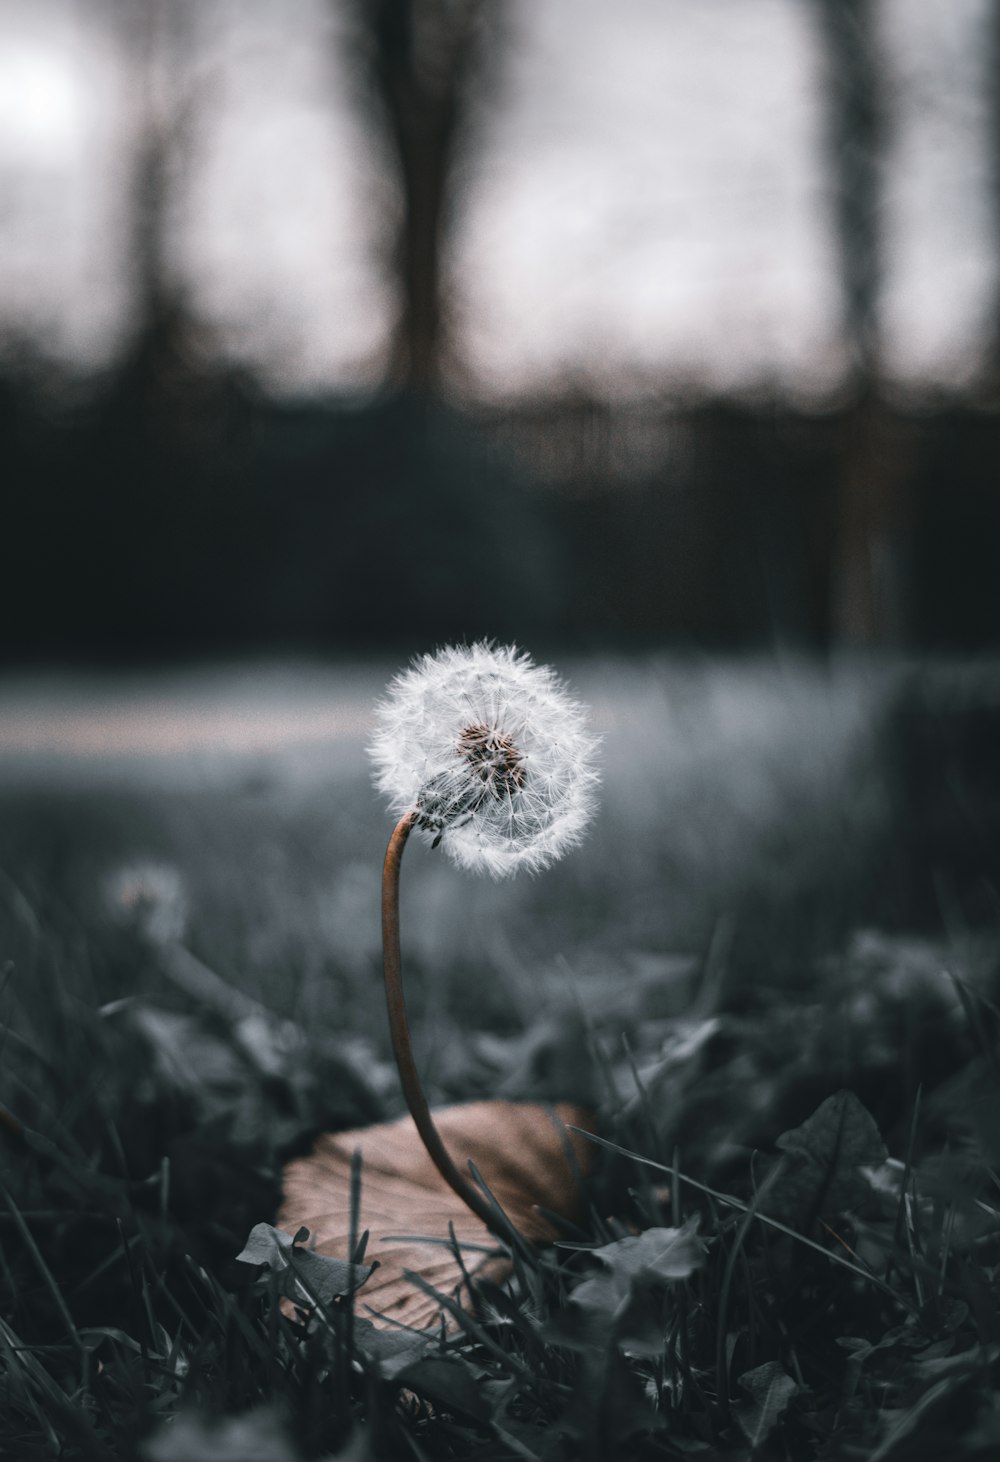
pixel 400 1031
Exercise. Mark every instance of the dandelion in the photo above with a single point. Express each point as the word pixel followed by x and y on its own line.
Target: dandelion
pixel 488 755
pixel 151 898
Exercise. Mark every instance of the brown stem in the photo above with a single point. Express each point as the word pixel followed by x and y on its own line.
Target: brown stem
pixel 400 1031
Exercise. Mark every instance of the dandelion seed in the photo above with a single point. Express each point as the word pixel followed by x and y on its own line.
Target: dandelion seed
pixel 491 755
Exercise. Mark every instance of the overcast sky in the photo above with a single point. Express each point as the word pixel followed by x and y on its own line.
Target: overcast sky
pixel 644 197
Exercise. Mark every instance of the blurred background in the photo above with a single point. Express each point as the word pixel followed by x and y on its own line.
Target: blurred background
pixel 661 338
pixel 348 325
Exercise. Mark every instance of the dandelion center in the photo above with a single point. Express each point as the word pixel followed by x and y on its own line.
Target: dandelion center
pixel 495 759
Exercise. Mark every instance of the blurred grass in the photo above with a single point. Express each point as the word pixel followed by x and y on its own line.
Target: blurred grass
pixel 749 821
pixel 191 976
pixel 754 817
pixel 724 787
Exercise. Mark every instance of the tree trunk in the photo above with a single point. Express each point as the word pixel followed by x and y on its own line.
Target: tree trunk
pixel 867 592
pixel 420 55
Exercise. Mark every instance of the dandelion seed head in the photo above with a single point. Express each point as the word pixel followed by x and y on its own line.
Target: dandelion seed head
pixel 491 754
pixel 150 897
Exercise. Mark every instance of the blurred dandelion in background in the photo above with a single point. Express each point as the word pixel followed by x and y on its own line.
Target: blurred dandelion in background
pixel 150 898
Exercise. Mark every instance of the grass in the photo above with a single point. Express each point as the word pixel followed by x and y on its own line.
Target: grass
pixel 770 1268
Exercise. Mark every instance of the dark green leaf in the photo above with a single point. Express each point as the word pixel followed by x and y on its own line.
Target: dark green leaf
pixel 448 1384
pixel 770 1389
pixel 657 1257
pixel 266 1245
pixel 323 1276
pixel 392 1350
pixel 664 1254
pixel 821 1168
pixel 624 1297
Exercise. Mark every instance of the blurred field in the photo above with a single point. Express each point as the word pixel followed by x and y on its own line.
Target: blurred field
pixel 731 793
pixel 790 889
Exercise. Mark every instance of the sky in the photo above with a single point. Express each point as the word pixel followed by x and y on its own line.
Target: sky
pixel 641 198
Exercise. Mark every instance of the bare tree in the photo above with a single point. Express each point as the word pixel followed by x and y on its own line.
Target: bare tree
pixel 158 41
pixel 867 593
pixel 420 56
pixel 992 62
pixel 855 134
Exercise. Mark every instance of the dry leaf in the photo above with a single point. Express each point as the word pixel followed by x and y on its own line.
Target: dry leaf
pixel 526 1157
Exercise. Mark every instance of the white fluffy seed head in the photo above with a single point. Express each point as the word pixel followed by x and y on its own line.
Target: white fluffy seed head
pixel 492 755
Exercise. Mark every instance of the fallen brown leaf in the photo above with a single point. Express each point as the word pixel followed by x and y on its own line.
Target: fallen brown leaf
pixel 523 1153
